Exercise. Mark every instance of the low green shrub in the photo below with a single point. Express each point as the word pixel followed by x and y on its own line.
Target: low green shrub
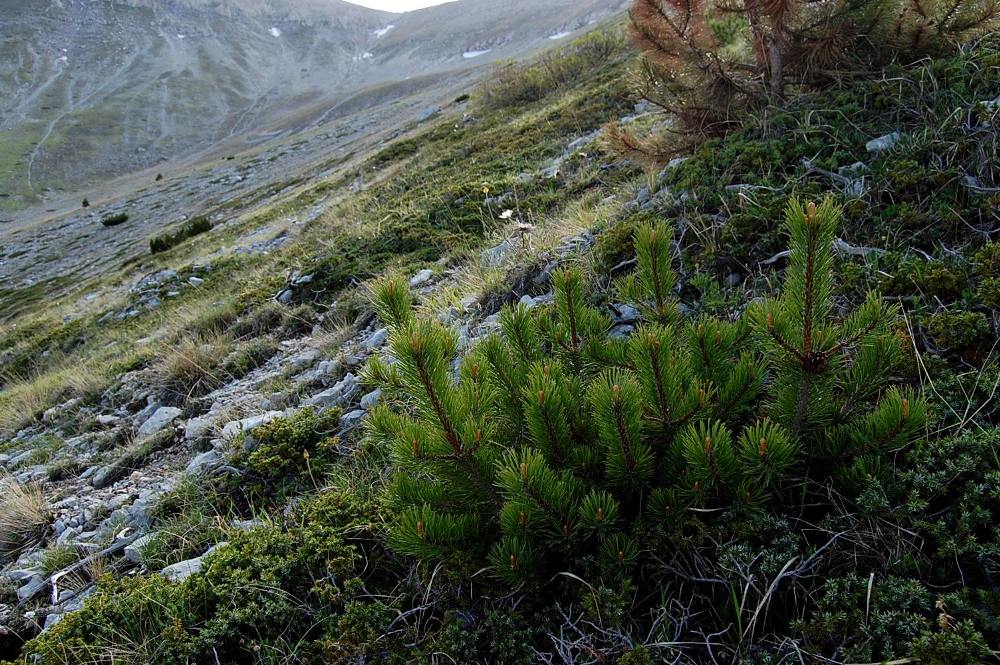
pixel 114 219
pixel 250 587
pixel 959 644
pixel 189 229
pixel 287 592
pixel 962 332
pixel 288 448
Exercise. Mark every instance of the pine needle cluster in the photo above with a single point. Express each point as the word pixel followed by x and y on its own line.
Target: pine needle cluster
pixel 553 441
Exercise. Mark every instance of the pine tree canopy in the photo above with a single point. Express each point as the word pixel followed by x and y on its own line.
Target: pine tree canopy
pixel 707 61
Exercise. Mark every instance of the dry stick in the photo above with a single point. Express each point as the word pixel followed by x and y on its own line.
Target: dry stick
pixel 55 577
pixel 804 567
pixel 767 597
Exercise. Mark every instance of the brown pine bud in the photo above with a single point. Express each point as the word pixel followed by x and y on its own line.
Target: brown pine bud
pixel 905 405
pixel 421 530
pixel 762 448
pixel 522 519
pixel 524 472
pixel 600 514
pixel 810 212
pixel 541 398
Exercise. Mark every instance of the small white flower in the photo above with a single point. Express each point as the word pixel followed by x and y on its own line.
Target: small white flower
pixel 507 214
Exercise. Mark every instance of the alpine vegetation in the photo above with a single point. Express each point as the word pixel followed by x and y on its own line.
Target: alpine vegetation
pixel 441 378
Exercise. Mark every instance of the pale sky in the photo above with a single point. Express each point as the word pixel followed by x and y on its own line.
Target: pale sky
pixel 398 5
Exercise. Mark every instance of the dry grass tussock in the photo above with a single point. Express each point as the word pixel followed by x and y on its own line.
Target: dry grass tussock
pixel 23 518
pixel 191 367
pixel 23 400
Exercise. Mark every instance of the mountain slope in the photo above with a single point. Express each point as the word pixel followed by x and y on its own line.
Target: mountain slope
pixel 92 90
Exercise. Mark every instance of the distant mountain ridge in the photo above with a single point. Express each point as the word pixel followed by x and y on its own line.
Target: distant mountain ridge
pixel 94 89
pixel 289 9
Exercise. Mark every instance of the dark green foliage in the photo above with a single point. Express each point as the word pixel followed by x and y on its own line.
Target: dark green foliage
pixel 249 599
pixel 709 63
pixel 951 489
pixel 285 446
pixel 565 440
pixel 188 229
pixel 793 151
pixel 113 219
pixel 867 620
pixel 85 203
pixel 961 332
pixel 959 644
pixel 936 227
pixel 614 246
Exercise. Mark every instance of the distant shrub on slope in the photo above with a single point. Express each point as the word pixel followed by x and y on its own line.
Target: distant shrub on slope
pixel 114 219
pixel 191 228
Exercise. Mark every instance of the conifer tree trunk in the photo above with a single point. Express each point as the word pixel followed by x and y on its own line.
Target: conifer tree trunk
pixel 776 63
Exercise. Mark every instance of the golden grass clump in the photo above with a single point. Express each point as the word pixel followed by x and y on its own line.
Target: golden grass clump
pixel 21 401
pixel 24 517
pixel 191 367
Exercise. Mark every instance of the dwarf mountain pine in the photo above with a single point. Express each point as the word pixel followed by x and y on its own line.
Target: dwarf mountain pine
pixel 551 440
